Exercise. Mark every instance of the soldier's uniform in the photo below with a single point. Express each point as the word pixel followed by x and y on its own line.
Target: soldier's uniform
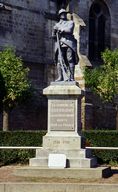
pixel 68 46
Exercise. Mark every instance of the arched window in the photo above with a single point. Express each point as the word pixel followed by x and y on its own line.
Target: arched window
pixel 62 3
pixel 99 30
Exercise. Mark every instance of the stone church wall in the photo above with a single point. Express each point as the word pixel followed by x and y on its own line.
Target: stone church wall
pixel 83 8
pixel 27 25
pixel 94 115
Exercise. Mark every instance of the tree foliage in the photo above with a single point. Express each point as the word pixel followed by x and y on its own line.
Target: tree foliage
pixel 103 80
pixel 14 83
pixel 14 78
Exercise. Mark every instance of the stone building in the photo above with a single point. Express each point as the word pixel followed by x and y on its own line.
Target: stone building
pixel 100 32
pixel 27 26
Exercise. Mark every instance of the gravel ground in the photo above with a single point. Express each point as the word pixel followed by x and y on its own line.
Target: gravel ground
pixel 6 175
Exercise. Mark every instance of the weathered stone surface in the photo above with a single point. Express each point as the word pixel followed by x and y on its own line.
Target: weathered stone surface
pixel 71 162
pixel 2 188
pixel 64 107
pixel 64 128
pixel 63 88
pixel 62 115
pixel 59 187
pixel 70 153
pixel 75 173
pixel 62 142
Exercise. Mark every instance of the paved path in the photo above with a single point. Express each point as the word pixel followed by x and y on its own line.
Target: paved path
pixel 10 183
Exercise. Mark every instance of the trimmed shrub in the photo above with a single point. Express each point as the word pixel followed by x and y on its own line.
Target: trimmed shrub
pixel 23 138
pixel 34 138
pixel 103 139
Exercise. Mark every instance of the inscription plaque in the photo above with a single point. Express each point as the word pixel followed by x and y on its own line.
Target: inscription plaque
pixel 62 115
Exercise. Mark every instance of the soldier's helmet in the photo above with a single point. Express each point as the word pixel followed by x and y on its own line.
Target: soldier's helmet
pixel 62 11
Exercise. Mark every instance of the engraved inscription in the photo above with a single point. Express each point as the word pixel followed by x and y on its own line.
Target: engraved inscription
pixel 62 114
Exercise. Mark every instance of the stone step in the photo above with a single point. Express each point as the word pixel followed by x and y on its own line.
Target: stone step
pixel 39 161
pixel 54 187
pixel 74 173
pixel 81 153
pixel 82 163
pixel 71 162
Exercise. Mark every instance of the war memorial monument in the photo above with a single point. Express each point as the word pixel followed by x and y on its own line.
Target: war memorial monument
pixel 63 153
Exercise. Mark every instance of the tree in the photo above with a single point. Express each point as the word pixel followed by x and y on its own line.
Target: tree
pixel 103 80
pixel 14 83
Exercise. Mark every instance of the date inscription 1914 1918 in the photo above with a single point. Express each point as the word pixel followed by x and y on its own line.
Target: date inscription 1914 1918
pixel 62 115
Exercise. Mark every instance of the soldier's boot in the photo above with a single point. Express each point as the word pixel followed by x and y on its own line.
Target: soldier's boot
pixel 72 70
pixel 60 74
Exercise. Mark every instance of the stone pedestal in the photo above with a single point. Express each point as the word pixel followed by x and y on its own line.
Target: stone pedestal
pixel 64 128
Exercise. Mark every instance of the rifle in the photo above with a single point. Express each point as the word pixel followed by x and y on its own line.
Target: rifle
pixel 62 62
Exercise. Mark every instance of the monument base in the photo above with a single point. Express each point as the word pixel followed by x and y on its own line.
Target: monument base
pixel 71 146
pixel 63 139
pixel 71 162
pixel 80 164
pixel 64 128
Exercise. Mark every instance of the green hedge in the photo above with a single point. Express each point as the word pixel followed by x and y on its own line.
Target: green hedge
pixel 34 138
pixel 23 138
pixel 103 139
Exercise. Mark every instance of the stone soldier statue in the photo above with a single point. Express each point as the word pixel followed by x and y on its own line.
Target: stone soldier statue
pixel 68 46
